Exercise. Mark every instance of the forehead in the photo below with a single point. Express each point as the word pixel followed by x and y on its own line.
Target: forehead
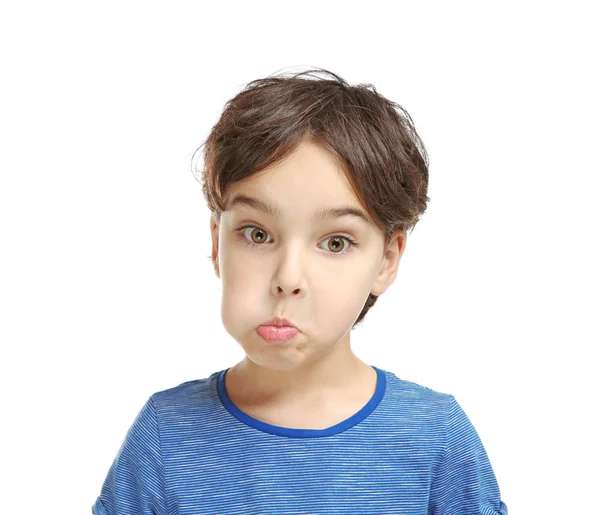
pixel 310 180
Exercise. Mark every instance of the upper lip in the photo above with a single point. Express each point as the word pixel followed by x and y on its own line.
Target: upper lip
pixel 279 322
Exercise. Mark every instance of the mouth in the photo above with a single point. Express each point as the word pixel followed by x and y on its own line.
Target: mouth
pixel 277 330
pixel 278 322
pixel 274 334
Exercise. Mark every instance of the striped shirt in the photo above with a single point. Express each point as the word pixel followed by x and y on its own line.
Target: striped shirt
pixel 410 450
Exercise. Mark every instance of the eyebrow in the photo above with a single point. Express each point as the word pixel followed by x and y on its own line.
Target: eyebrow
pixel 321 214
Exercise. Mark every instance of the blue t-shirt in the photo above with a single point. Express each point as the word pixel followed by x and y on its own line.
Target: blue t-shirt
pixel 409 450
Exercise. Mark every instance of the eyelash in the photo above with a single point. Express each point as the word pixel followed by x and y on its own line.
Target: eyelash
pixel 352 242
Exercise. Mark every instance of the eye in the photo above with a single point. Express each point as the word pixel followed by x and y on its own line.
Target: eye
pixel 258 236
pixel 337 242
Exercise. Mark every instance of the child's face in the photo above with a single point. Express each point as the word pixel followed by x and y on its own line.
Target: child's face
pixel 299 267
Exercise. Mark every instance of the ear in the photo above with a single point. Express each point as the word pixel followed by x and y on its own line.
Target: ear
pixel 214 234
pixel 390 262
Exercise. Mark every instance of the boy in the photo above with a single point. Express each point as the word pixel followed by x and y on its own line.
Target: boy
pixel 313 185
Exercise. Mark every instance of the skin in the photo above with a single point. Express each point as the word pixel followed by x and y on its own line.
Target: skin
pixel 297 272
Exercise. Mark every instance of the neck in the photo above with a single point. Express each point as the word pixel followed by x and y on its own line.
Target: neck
pixel 338 373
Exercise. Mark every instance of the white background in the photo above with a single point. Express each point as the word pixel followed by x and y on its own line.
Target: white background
pixel 107 293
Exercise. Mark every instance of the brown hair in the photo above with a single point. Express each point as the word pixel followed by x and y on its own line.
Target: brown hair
pixel 373 138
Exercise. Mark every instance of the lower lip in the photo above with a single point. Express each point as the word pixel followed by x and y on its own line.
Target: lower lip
pixel 275 334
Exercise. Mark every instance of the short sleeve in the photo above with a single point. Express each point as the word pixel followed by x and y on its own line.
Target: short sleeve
pixel 134 484
pixel 463 483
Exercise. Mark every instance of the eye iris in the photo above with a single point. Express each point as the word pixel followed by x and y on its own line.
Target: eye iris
pixel 339 244
pixel 260 231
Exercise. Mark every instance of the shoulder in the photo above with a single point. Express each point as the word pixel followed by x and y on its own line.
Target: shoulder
pixel 185 397
pixel 411 393
pixel 415 408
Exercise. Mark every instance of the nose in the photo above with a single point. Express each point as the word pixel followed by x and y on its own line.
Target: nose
pixel 289 277
pixel 295 291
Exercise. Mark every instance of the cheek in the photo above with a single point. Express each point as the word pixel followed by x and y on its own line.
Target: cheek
pixel 237 265
pixel 244 278
pixel 337 301
pixel 239 309
pixel 243 296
